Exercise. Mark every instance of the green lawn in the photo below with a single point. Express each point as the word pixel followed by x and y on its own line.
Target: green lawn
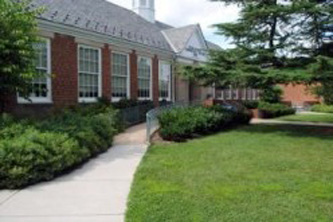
pixel 324 118
pixel 253 173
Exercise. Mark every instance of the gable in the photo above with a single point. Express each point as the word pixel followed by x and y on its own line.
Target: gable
pixel 196 47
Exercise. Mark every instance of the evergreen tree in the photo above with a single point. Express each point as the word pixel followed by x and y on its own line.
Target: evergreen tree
pixel 276 40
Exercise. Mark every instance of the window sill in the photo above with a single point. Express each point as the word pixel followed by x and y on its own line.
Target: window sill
pixel 117 99
pixel 88 100
pixel 164 99
pixel 34 101
pixel 144 99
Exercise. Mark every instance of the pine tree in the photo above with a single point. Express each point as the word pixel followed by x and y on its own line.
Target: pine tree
pixel 276 40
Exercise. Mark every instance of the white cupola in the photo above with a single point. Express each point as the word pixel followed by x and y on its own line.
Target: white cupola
pixel 145 8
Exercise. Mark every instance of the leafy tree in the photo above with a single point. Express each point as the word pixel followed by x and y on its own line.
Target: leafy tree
pixel 17 35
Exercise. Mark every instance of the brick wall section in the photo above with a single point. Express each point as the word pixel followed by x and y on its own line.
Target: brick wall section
pixel 155 81
pixel 10 102
pixel 65 70
pixel 298 94
pixel 182 89
pixel 134 75
pixel 106 72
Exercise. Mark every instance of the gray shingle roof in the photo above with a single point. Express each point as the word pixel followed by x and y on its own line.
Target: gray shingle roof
pixel 174 35
pixel 179 37
pixel 105 18
pixel 213 46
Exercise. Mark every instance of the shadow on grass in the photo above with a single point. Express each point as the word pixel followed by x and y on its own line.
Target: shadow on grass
pixel 291 130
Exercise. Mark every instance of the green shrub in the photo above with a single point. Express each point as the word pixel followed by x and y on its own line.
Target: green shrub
pixel 33 152
pixel 271 94
pixel 5 120
pixel 322 108
pixel 35 156
pixel 251 104
pixel 128 103
pixel 273 110
pixel 182 123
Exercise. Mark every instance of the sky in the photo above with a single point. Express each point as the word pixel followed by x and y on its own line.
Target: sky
pixel 184 12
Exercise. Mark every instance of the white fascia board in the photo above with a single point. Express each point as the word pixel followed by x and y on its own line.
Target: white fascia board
pixel 189 60
pixel 170 43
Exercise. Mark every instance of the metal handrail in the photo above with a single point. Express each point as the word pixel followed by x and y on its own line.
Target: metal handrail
pixel 152 117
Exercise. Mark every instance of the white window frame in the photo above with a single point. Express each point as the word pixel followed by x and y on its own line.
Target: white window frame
pixel 117 99
pixel 151 78
pixel 163 62
pixel 48 99
pixel 84 99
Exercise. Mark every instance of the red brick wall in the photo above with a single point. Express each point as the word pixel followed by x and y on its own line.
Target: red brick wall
pixel 134 75
pixel 106 72
pixel 155 81
pixel 298 94
pixel 65 70
pixel 10 102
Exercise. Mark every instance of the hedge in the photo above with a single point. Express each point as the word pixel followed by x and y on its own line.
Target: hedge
pixel 273 110
pixel 32 152
pixel 179 124
pixel 322 108
pixel 250 104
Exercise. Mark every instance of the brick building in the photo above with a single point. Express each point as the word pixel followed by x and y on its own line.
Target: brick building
pixel 93 48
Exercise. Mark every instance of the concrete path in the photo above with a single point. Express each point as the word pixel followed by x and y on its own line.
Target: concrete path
pixel 97 192
pixel 296 123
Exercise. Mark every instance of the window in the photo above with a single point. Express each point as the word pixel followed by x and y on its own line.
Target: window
pixel 228 93
pixel 256 95
pixel 243 94
pixel 142 2
pixel 235 94
pixel 165 81
pixel 89 74
pixel 152 4
pixel 120 76
pixel 144 78
pixel 219 93
pixel 249 94
pixel 40 91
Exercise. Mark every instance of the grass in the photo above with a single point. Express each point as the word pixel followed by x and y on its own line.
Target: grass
pixel 323 118
pixel 253 173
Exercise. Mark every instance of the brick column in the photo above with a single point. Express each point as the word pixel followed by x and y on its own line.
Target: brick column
pixel 134 75
pixel 10 101
pixel 64 62
pixel 106 72
pixel 155 81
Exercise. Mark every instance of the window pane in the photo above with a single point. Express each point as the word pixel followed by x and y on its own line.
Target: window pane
pixel 164 80
pixel 39 86
pixel 89 72
pixel 144 75
pixel 119 75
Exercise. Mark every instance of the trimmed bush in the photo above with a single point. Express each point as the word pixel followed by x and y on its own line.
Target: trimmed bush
pixel 322 108
pixel 251 104
pixel 128 103
pixel 179 124
pixel 273 110
pixel 34 152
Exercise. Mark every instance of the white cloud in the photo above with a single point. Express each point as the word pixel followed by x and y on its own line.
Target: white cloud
pixel 184 12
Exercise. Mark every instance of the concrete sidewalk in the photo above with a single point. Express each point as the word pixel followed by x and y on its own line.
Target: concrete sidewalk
pixel 97 192
pixel 296 123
